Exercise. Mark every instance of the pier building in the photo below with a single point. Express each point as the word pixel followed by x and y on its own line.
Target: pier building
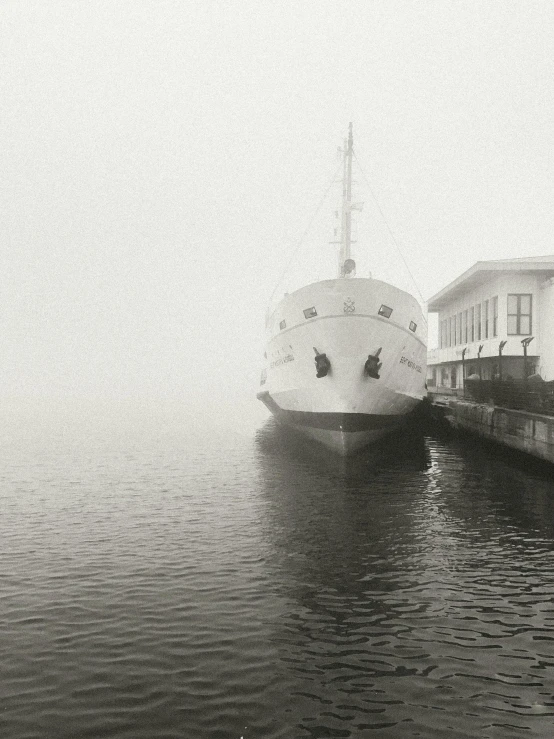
pixel 495 321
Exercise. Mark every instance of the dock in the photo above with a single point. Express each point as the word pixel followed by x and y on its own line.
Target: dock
pixel 491 371
pixel 527 431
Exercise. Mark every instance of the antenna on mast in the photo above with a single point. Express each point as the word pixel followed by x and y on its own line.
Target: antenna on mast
pixel 348 201
pixel 347 266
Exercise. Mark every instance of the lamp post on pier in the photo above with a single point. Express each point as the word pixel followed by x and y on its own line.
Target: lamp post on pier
pixel 500 348
pixel 479 360
pixel 525 343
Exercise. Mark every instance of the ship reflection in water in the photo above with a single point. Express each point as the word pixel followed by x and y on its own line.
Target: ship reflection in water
pixel 420 577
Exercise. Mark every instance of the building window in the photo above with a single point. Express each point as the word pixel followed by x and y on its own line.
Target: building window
pixel 465 327
pixel 282 325
pixel 495 316
pixel 472 324
pixel 310 312
pixel 450 331
pixel 413 326
pixel 478 321
pixel 460 328
pixel 486 318
pixel 385 311
pixel 519 315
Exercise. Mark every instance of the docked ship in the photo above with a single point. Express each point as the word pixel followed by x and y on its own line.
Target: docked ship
pixel 345 360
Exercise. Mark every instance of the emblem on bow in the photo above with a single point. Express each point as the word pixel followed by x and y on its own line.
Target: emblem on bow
pixel 349 306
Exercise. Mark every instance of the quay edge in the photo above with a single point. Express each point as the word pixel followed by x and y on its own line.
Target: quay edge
pixel 531 433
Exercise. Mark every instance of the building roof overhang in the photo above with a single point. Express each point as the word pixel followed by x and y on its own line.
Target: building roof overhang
pixel 481 272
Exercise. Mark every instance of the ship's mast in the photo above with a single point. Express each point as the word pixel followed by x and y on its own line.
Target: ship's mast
pixel 346 221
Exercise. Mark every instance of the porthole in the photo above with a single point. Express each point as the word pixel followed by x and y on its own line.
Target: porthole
pixel 385 311
pixel 413 326
pixel 282 325
pixel 310 312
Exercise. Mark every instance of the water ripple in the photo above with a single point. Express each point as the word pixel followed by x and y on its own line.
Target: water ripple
pixel 174 588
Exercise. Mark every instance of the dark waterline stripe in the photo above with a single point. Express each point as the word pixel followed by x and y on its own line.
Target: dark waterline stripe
pixel 349 422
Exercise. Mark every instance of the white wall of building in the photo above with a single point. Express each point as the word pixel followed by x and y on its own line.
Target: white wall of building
pixel 500 285
pixel 546 312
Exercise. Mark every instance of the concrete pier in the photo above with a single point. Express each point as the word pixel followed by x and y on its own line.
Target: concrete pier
pixel 528 432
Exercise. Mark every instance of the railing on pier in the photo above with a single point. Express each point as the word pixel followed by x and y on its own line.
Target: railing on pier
pixel 527 395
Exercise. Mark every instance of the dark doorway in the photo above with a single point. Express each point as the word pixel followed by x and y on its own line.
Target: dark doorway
pixel 453 377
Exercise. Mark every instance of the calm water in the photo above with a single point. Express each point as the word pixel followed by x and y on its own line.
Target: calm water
pixel 224 587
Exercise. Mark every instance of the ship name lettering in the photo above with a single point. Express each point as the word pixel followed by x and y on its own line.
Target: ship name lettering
pixel 282 360
pixel 411 365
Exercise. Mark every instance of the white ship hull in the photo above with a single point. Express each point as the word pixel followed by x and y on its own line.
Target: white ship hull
pixel 346 409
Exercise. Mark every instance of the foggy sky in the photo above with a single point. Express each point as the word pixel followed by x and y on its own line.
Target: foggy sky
pixel 160 159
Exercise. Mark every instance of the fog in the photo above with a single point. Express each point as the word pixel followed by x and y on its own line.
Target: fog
pixel 161 159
